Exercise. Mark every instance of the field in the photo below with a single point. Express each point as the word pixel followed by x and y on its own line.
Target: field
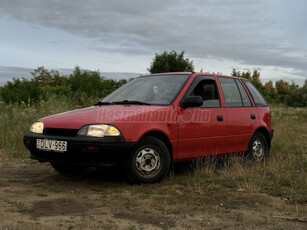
pixel 229 193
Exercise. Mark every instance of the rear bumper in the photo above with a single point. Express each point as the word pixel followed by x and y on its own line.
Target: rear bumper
pixel 111 151
pixel 271 134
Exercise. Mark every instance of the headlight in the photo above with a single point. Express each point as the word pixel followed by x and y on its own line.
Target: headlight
pixel 37 127
pixel 98 131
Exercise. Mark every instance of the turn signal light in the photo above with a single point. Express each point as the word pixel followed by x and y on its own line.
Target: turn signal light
pixel 27 142
pixel 92 148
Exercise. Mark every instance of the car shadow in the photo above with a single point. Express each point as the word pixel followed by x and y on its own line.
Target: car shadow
pixel 213 162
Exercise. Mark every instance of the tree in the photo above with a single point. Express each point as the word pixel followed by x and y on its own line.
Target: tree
pixel 270 92
pixel 296 96
pixel 270 88
pixel 20 90
pixel 235 73
pixel 86 81
pixel 253 78
pixel 247 75
pixel 282 89
pixel 171 62
pixel 256 80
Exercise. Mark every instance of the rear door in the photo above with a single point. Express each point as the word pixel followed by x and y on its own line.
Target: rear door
pixel 242 115
pixel 202 130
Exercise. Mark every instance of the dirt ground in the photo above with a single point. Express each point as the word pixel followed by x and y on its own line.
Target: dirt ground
pixel 34 196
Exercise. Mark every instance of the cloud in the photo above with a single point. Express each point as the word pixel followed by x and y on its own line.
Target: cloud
pixel 249 32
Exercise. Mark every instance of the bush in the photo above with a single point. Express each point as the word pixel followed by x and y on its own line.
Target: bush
pixel 171 62
pixel 296 96
pixel 82 86
pixel 290 95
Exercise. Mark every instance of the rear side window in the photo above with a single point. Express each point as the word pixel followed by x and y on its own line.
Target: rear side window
pixel 257 97
pixel 231 92
pixel 245 97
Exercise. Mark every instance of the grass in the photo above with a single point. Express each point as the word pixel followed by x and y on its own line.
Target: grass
pixel 18 206
pixel 15 121
pixel 282 175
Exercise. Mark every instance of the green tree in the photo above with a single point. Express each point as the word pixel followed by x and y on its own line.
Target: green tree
pixel 282 88
pixel 83 86
pixel 235 73
pixel 20 91
pixel 255 79
pixel 90 85
pixel 247 75
pixel 270 92
pixel 51 78
pixel 85 81
pixel 296 96
pixel 305 93
pixel 171 62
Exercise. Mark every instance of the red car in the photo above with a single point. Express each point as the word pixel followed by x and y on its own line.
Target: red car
pixel 154 121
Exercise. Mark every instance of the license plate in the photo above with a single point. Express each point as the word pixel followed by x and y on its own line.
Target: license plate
pixel 51 145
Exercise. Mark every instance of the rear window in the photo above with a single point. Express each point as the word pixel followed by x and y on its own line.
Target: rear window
pixel 257 97
pixel 245 98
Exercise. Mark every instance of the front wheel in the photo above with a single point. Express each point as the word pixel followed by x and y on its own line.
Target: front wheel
pixel 258 148
pixel 149 161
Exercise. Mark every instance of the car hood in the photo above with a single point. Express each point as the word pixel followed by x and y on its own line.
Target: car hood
pixel 109 114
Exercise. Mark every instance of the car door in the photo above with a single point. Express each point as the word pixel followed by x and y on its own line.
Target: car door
pixel 202 130
pixel 242 115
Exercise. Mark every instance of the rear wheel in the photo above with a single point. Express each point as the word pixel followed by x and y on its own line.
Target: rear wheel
pixel 149 161
pixel 258 148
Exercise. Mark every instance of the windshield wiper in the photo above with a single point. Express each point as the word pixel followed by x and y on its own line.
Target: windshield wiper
pixel 103 103
pixel 128 102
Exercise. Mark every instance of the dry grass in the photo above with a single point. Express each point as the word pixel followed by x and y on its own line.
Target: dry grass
pixel 282 175
pixel 15 121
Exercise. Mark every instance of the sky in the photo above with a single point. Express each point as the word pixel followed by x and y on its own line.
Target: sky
pixel 123 36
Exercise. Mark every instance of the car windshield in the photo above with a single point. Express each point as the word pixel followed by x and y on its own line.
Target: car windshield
pixel 148 90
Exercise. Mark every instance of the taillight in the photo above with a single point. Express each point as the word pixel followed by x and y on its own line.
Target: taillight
pixel 267 119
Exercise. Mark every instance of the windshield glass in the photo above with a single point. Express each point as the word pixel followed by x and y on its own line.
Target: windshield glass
pixel 159 90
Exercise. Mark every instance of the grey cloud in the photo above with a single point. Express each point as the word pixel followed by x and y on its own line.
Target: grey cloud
pixel 251 32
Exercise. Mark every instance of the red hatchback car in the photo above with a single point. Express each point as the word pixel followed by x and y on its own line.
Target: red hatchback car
pixel 154 121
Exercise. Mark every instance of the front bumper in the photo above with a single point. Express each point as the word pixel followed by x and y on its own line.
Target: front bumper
pixel 110 151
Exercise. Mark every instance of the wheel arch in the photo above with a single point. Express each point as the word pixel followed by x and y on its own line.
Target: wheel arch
pixel 164 138
pixel 265 133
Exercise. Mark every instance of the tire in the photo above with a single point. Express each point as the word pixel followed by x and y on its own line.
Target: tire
pixel 149 161
pixel 258 148
pixel 67 169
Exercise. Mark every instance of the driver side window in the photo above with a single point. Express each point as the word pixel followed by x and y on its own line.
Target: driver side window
pixel 207 89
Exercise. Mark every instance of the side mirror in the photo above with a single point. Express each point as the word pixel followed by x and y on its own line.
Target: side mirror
pixel 192 101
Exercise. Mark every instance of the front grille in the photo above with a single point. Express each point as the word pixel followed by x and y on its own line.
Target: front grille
pixel 61 132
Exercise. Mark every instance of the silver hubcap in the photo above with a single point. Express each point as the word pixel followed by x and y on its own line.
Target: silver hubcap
pixel 148 162
pixel 258 150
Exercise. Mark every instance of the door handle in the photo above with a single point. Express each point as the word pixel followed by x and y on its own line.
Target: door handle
pixel 220 118
pixel 253 116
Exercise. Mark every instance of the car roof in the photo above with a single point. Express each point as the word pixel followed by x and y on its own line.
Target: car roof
pixel 195 73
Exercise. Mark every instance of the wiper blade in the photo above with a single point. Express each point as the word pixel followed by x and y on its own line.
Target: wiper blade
pixel 103 103
pixel 127 102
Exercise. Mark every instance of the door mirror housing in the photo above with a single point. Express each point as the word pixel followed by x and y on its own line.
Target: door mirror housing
pixel 192 101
